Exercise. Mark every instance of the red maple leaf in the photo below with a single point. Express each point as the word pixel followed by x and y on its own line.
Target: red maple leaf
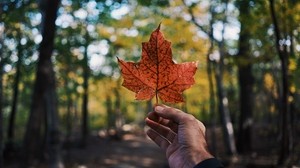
pixel 156 74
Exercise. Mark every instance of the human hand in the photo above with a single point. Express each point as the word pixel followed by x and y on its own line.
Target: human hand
pixel 180 135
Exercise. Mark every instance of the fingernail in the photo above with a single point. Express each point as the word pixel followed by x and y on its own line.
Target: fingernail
pixel 159 109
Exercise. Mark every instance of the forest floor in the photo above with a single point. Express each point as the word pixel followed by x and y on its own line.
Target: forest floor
pixel 130 150
pixel 134 150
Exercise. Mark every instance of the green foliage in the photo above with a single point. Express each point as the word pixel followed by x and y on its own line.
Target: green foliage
pixel 161 3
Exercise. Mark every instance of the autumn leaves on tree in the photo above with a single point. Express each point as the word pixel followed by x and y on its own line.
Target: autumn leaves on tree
pixel 157 74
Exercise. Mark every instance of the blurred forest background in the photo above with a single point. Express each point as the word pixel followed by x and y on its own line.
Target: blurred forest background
pixel 60 85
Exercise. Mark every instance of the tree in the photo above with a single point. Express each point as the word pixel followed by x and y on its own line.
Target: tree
pixel 219 70
pixel 1 101
pixel 16 29
pixel 86 75
pixel 44 104
pixel 91 19
pixel 283 51
pixel 246 80
pixel 12 117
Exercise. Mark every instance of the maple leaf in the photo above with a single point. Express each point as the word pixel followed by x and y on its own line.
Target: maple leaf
pixel 156 74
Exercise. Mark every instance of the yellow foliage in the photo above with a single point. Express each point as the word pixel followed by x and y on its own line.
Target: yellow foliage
pixel 270 84
pixel 269 81
pixel 293 89
pixel 272 108
pixel 79 80
pixel 292 65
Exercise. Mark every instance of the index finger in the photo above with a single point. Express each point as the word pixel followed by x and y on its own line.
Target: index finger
pixel 172 114
pixel 165 122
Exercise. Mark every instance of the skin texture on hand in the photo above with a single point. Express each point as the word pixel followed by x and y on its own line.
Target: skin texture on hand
pixel 180 135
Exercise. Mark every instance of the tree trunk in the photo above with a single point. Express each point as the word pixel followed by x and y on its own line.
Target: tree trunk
pixel 44 103
pixel 209 70
pixel 246 109
pixel 285 127
pixel 12 116
pixel 118 113
pixel 109 113
pixel 86 73
pixel 1 106
pixel 228 131
pixel 70 106
pixel 245 79
pixel 222 99
pixel 212 106
pixel 53 139
pixel 69 119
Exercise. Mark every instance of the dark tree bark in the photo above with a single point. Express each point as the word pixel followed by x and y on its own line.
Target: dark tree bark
pixel 70 100
pixel 285 127
pixel 212 105
pixel 12 116
pixel 223 109
pixel 221 96
pixel 69 109
pixel 118 113
pixel 245 79
pixel 1 106
pixel 85 113
pixel 244 143
pixel 209 71
pixel 44 100
pixel 1 120
pixel 109 113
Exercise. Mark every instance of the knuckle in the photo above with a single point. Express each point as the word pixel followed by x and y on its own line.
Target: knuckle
pixel 190 118
pixel 202 126
pixel 168 109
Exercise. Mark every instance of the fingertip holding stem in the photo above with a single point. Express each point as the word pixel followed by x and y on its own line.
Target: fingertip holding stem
pixel 159 109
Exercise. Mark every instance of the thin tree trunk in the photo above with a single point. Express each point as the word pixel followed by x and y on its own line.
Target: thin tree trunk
pixel 12 116
pixel 222 99
pixel 69 114
pixel 86 73
pixel 245 79
pixel 44 103
pixel 292 104
pixel 53 140
pixel 228 131
pixel 109 113
pixel 1 106
pixel 212 106
pixel 209 70
pixel 285 148
pixel 118 113
pixel 292 110
pixel 69 103
pixel 1 121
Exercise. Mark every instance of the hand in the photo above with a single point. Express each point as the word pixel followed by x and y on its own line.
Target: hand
pixel 180 135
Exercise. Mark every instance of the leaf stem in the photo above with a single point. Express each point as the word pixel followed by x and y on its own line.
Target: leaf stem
pixel 156 98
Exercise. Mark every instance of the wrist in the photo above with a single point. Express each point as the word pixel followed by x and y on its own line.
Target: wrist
pixel 200 156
